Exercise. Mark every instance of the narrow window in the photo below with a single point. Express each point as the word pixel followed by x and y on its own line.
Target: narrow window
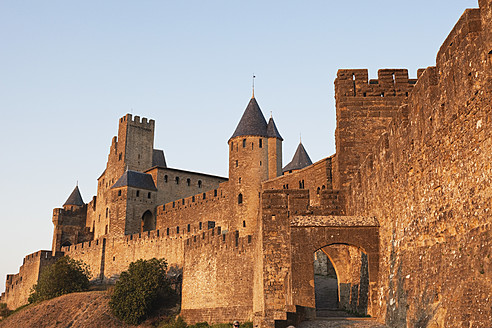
pixel 177 180
pixel 204 195
pixel 183 200
pixel 107 211
pixel 106 229
pixel 260 143
pixel 188 182
pixel 177 229
pixel 244 143
pixel 138 193
pixel 167 231
pixel 260 163
pixel 200 225
pixel 240 198
pixel 174 204
pixel 119 192
pixel 199 183
pixel 193 199
pixel 239 180
pixel 165 178
pixel 148 195
pixel 189 227
pixel 232 145
pixel 244 224
pixel 237 163
pixel 317 191
pixel 119 157
pixel 215 192
pixel 252 146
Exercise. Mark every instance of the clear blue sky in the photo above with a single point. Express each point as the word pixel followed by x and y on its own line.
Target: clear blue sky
pixel 70 69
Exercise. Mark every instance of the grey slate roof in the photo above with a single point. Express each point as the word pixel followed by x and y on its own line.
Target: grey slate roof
pixel 299 161
pixel 158 158
pixel 75 198
pixel 135 179
pixel 252 122
pixel 272 131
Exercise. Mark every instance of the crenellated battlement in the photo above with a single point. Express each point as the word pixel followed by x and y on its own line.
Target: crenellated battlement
pixel 137 121
pixel 218 238
pixel 391 82
pixel 195 200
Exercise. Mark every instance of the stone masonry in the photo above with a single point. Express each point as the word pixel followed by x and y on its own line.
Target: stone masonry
pixel 402 211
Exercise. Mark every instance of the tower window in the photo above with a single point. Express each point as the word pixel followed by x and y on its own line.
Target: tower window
pixel 138 193
pixel 107 212
pixel 148 195
pixel 260 143
pixel 167 231
pixel 237 163
pixel 244 224
pixel 215 192
pixel 177 180
pixel 165 178
pixel 232 145
pixel 199 183
pixel 119 192
pixel 189 227
pixel 177 229
pixel 252 145
pixel 200 225
pixel 244 143
pixel 260 163
pixel 188 182
pixel 204 195
pixel 119 157
pixel 240 198
pixel 239 181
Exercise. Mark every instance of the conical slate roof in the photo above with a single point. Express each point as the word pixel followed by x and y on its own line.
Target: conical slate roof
pixel 252 122
pixel 272 131
pixel 75 198
pixel 300 160
pixel 135 179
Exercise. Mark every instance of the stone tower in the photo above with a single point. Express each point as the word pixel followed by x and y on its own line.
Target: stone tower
pixel 255 155
pixel 131 150
pixel 132 207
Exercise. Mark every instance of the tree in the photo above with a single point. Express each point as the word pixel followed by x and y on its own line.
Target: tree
pixel 140 290
pixel 65 276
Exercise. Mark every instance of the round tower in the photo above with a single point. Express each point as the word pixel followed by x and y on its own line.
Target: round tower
pixel 249 159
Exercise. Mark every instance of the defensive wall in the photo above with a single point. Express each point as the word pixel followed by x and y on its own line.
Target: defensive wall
pixel 218 276
pixel 428 181
pixel 18 286
pixel 315 178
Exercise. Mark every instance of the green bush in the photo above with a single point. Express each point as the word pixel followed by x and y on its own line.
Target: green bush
pixel 4 310
pixel 64 276
pixel 140 290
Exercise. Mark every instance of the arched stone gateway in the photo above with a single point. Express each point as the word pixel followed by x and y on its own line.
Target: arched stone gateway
pixel 291 232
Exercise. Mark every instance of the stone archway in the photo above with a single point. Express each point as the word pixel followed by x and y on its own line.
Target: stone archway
pixel 148 221
pixel 307 239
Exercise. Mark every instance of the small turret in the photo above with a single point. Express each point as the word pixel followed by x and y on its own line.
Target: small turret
pixel 74 200
pixel 274 150
pixel 299 161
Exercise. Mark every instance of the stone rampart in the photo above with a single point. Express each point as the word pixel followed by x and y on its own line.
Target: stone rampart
pixel 218 277
pixel 428 181
pixel 18 286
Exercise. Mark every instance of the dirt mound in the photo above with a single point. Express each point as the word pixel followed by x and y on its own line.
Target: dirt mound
pixel 88 309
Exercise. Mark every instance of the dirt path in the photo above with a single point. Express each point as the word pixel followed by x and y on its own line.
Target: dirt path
pixel 341 323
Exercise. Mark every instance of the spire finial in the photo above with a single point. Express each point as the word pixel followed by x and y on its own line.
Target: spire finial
pixel 300 137
pixel 77 183
pixel 271 114
pixel 253 85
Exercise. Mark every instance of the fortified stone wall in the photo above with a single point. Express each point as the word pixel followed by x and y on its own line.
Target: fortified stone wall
pixel 217 277
pixel 175 184
pixel 108 257
pixel 315 178
pixel 69 226
pixel 18 286
pixel 428 181
pixel 364 110
pixel 191 214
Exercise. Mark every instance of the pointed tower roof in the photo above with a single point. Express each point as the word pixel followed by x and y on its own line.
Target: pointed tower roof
pixel 252 122
pixel 135 179
pixel 299 161
pixel 75 198
pixel 272 131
